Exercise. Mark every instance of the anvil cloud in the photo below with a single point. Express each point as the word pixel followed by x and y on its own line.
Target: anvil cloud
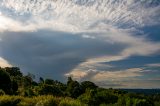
pixel 83 39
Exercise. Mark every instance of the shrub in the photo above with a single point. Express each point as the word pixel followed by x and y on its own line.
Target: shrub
pixel 40 101
pixel 9 100
pixel 29 92
pixel 70 102
pixel 105 97
pixel 50 90
pixel 97 97
pixel 48 101
pixel 88 98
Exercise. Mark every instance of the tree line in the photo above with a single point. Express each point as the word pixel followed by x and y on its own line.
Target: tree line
pixel 14 83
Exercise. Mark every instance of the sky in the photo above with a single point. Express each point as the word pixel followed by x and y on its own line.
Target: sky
pixel 113 43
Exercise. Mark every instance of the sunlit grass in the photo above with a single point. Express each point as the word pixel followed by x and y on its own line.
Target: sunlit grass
pixel 47 100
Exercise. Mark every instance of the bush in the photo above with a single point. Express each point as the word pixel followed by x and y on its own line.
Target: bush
pixel 70 102
pixel 97 97
pixel 89 98
pixel 9 100
pixel 48 101
pixel 27 102
pixel 29 92
pixel 40 101
pixel 127 101
pixel 105 97
pixel 50 90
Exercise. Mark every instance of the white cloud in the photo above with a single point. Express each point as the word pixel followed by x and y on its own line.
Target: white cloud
pixel 96 76
pixel 72 16
pixel 4 63
pixel 82 75
pixel 128 78
pixel 118 75
pixel 76 74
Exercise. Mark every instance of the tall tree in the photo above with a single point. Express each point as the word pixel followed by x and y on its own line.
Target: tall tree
pixel 73 88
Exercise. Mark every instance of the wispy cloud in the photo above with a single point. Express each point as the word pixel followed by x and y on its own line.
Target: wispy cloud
pixel 78 15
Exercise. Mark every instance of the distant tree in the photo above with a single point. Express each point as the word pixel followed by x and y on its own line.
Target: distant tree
pixel 60 85
pixel 49 81
pixel 88 85
pixel 34 83
pixel 31 76
pixel 13 71
pixel 41 80
pixel 103 96
pixel 27 82
pixel 50 90
pixel 69 80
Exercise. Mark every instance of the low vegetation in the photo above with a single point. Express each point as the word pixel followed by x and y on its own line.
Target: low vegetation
pixel 17 89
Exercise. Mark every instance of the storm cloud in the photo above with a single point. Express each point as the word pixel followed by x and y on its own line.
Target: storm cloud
pixel 86 39
pixel 50 53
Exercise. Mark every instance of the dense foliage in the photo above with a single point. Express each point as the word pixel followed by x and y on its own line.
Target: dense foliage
pixel 17 89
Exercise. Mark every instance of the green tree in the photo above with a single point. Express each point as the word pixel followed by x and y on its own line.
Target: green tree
pixel 89 98
pixel 103 96
pixel 13 71
pixel 50 90
pixel 27 82
pixel 73 88
pixel 49 81
pixel 87 85
pixel 69 80
pixel 41 80
pixel 5 81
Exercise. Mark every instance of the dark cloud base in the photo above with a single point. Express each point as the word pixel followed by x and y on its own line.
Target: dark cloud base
pixel 50 53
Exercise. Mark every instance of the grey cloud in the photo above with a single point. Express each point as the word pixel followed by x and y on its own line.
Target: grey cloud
pixel 50 53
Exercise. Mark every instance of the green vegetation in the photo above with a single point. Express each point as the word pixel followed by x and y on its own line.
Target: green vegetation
pixel 17 89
